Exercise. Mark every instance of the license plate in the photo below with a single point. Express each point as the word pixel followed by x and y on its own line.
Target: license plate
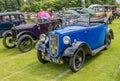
pixel 52 59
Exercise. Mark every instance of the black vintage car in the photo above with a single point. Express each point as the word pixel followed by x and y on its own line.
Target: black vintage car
pixel 23 35
pixel 7 19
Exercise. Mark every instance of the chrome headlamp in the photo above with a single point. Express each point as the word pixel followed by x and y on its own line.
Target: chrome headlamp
pixel 66 40
pixel 42 37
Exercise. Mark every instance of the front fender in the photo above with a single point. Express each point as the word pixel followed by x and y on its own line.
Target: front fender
pixel 6 33
pixel 70 51
pixel 40 46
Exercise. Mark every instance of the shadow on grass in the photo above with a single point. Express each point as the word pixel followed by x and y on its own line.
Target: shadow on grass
pixel 13 51
pixel 54 70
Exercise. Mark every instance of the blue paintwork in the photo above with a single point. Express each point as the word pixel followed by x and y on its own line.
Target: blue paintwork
pixel 93 36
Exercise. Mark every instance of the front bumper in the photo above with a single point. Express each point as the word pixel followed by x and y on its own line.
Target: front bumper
pixel 42 47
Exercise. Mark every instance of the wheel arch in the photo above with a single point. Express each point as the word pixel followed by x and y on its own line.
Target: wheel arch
pixel 86 48
pixel 70 51
pixel 111 32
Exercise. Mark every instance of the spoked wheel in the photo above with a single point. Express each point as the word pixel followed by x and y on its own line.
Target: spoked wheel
pixel 7 41
pixel 77 60
pixel 108 41
pixel 25 43
pixel 40 56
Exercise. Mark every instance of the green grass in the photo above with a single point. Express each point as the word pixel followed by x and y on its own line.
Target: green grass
pixel 17 66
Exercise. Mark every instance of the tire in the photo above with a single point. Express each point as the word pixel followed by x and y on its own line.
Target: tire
pixel 77 60
pixel 25 43
pixel 108 41
pixel 7 41
pixel 40 58
pixel 110 20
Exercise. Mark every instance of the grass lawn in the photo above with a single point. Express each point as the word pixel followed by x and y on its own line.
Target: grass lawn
pixel 17 66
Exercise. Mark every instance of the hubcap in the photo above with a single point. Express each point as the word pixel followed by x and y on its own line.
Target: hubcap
pixel 108 40
pixel 79 59
pixel 9 41
pixel 25 43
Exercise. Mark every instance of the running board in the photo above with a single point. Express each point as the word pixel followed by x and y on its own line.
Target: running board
pixel 98 50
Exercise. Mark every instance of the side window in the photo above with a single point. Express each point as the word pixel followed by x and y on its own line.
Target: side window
pixel 5 18
pixel 12 17
pixel 101 9
pixel 21 17
pixel 15 17
pixel 96 9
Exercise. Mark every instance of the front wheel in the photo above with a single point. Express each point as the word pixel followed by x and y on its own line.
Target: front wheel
pixel 40 56
pixel 7 41
pixel 25 43
pixel 77 60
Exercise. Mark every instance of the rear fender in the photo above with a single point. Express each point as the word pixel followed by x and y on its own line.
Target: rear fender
pixel 111 32
pixel 70 51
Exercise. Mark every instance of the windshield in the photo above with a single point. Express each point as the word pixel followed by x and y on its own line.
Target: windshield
pixel 81 19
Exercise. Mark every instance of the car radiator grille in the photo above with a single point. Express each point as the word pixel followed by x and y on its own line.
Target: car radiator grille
pixel 53 44
pixel 14 33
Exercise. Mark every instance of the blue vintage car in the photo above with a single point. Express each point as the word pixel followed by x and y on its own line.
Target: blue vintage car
pixel 7 19
pixel 74 41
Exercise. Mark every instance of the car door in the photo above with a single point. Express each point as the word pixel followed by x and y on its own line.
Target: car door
pixel 14 19
pixel 5 23
pixel 96 35
pixel 40 28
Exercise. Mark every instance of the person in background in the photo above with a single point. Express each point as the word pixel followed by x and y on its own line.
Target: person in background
pixel 4 18
pixel 61 12
pixel 63 9
pixel 43 15
pixel 50 11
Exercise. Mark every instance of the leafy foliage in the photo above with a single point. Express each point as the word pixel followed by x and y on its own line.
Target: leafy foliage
pixel 58 4
pixel 35 5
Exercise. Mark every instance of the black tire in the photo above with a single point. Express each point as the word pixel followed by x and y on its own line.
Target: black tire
pixel 108 41
pixel 110 20
pixel 40 58
pixel 77 60
pixel 7 41
pixel 25 43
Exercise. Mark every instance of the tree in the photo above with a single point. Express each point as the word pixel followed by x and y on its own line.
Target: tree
pixel 2 5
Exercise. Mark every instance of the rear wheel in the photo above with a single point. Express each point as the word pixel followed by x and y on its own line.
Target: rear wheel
pixel 110 20
pixel 108 41
pixel 40 56
pixel 7 41
pixel 25 43
pixel 77 60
